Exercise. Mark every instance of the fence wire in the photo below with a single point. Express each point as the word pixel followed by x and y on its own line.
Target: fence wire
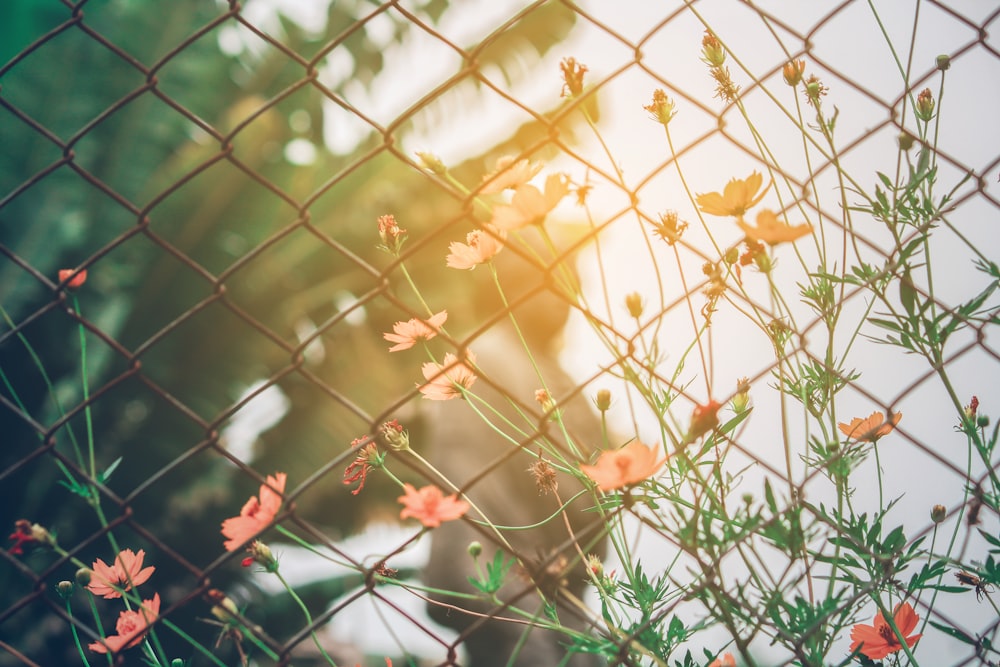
pixel 217 170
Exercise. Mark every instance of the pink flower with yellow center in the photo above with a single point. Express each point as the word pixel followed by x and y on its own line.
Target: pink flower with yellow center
pixel 109 581
pixel 256 515
pixel 480 247
pixel 629 465
pixel 446 381
pixel 430 506
pixel 406 334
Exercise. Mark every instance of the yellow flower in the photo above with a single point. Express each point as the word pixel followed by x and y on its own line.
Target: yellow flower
pixel 736 198
pixel 772 231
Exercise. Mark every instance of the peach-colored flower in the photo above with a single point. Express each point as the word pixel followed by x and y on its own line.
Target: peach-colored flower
pixel 736 198
pixel 256 514
pixel 131 627
pixel 529 205
pixel 77 280
pixel 480 246
pixel 446 381
pixel 406 334
pixel 509 173
pixel 727 660
pixel 792 72
pixel 878 640
pixel 109 582
pixel 871 428
pixel 430 506
pixel 772 231
pixel 629 465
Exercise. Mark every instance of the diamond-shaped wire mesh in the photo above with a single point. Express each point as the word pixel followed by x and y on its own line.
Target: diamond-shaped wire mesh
pixel 218 170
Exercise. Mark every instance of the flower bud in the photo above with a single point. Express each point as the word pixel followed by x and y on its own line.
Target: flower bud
pixel 595 565
pixel 475 549
pixel 83 576
pixel 633 302
pixel 792 72
pixel 732 255
pixel 64 589
pixel 75 278
pixel 572 73
pixel 432 163
pixel 703 419
pixel 261 554
pixel 603 399
pixel 223 608
pixel 741 401
pixel 938 513
pixel 905 140
pixel 748 499
pixel 943 62
pixel 982 421
pixel 391 234
pixel 925 105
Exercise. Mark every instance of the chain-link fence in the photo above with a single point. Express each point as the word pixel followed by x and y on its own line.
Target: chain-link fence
pixel 219 170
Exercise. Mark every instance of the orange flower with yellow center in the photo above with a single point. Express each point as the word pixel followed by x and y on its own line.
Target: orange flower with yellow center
pixel 623 467
pixel 772 231
pixel 871 428
pixel 737 197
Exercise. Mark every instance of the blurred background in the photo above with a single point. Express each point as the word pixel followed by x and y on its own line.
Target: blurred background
pixel 218 169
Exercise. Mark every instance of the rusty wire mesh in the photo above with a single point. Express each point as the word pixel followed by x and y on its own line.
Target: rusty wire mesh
pixel 143 146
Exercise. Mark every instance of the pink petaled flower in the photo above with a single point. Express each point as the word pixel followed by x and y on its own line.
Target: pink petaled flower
pixel 430 506
pixel 132 626
pixel 509 173
pixel 446 381
pixel 76 280
pixel 480 247
pixel 727 660
pixel 406 334
pixel 629 465
pixel 256 514
pixel 109 581
pixel 529 205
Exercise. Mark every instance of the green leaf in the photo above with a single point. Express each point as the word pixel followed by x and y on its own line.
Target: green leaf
pixel 102 477
pixel 957 634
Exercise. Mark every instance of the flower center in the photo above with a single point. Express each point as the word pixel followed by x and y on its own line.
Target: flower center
pixel 888 635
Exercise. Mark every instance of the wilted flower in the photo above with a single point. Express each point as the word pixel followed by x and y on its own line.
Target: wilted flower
pixel 871 428
pixel 26 532
pixel 925 105
pixel 391 234
pixel 772 231
pixel 529 206
pixel 737 197
pixel 661 109
pixel 544 475
pixel 446 381
pixel 792 72
pixel 629 465
pixel 368 457
pixel 814 90
pixel 406 334
pixel 256 514
pixel 430 506
pixel 132 626
pixel 480 247
pixel 109 581
pixel 572 73
pixel 712 52
pixel 670 228
pixel 395 435
pixel 878 640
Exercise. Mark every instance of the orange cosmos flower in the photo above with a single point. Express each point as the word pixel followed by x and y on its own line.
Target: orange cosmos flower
pixel 479 247
pixel 871 428
pixel 736 198
pixel 772 231
pixel 109 582
pixel 878 640
pixel 727 660
pixel 529 205
pixel 510 173
pixel 445 381
pixel 76 280
pixel 629 465
pixel 430 506
pixel 256 514
pixel 406 334
pixel 131 627
pixel 792 72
